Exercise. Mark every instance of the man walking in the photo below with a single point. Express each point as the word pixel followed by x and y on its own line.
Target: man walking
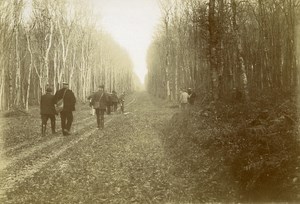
pixel 91 105
pixel 100 102
pixel 115 100
pixel 109 103
pixel 122 101
pixel 192 96
pixel 47 111
pixel 69 101
pixel 183 99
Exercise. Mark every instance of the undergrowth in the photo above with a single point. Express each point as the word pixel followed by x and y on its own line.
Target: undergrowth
pixel 251 149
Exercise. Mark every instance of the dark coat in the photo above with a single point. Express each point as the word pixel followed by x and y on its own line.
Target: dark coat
pixel 103 100
pixel 109 99
pixel 69 99
pixel 192 97
pixel 114 98
pixel 47 104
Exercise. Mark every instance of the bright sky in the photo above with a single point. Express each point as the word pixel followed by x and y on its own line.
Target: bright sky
pixel 131 23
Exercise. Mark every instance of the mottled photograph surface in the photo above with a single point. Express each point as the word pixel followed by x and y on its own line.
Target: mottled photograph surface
pixel 149 101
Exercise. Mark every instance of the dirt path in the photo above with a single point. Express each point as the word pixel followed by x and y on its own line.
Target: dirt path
pixel 22 160
pixel 124 163
pixel 130 161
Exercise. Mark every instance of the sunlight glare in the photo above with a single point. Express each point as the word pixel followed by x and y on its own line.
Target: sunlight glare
pixel 131 23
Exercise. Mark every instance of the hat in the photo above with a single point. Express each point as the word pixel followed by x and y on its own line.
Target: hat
pixel 49 90
pixel 65 83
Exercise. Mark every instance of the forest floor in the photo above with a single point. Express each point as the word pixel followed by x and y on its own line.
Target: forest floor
pixel 154 153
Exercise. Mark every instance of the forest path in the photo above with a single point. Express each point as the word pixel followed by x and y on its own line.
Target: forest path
pixel 24 152
pixel 123 163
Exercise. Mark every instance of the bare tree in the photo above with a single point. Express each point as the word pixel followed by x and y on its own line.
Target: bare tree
pixel 218 46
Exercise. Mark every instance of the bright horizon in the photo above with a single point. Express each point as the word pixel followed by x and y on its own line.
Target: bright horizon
pixel 131 23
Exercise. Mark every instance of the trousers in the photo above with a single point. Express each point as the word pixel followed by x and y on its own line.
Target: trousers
pixel 66 120
pixel 100 117
pixel 45 118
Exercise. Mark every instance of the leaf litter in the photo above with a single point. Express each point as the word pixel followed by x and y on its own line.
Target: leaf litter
pixel 155 154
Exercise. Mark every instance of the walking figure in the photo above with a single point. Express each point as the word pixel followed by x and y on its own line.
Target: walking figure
pixel 100 101
pixel 183 99
pixel 191 97
pixel 47 111
pixel 109 103
pixel 115 100
pixel 66 115
pixel 90 103
pixel 121 101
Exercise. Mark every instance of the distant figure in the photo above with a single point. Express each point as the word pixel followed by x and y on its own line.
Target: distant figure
pixel 115 100
pixel 66 114
pixel 183 99
pixel 192 96
pixel 91 105
pixel 100 101
pixel 237 95
pixel 121 101
pixel 48 110
pixel 109 103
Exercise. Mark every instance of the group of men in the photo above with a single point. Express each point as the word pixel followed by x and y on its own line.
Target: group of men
pixel 186 97
pixel 99 100
pixel 112 104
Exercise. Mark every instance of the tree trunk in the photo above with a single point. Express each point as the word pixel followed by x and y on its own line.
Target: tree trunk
pixel 212 50
pixel 17 4
pixel 72 69
pixel 54 71
pixel 29 71
pixel 46 59
pixel 240 59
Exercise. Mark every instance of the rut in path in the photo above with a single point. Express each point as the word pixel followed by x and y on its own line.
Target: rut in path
pixel 126 163
pixel 38 159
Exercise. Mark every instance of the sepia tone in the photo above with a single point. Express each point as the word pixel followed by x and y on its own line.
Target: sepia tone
pixel 205 111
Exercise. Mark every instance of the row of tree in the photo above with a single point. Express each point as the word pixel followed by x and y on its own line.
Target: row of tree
pixel 45 42
pixel 218 47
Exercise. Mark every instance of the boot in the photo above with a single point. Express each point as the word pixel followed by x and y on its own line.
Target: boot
pixel 102 124
pixel 98 123
pixel 66 132
pixel 53 128
pixel 44 130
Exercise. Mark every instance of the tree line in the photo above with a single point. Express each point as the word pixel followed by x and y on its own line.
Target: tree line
pixel 45 42
pixel 224 47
